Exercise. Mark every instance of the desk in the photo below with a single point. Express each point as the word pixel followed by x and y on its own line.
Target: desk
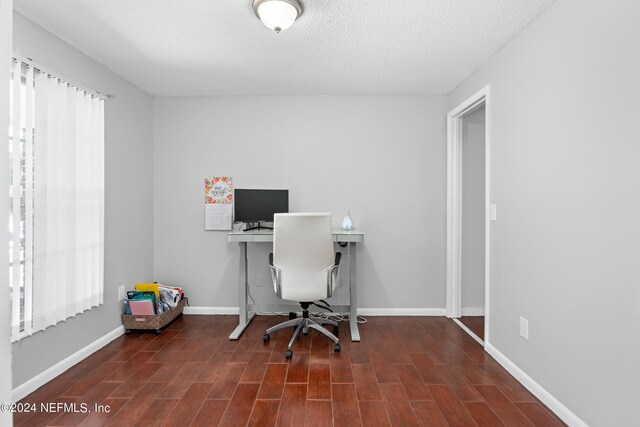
pixel 247 311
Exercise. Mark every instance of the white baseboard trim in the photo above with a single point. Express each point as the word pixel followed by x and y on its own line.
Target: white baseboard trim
pixel 44 377
pixel 361 311
pixel 469 331
pixel 473 311
pixel 211 310
pixel 547 398
pixel 401 311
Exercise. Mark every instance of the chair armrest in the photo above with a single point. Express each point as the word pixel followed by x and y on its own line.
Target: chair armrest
pixel 332 274
pixel 275 276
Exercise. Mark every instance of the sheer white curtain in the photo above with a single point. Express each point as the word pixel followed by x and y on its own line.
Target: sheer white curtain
pixel 57 200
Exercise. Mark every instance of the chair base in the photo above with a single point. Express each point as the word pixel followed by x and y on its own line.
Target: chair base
pixel 302 324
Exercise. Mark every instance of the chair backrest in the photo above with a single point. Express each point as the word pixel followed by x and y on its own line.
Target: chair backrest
pixel 303 251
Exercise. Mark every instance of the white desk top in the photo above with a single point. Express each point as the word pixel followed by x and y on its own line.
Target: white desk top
pixel 267 236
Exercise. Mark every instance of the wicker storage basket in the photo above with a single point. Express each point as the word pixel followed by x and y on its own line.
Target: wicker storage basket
pixel 152 322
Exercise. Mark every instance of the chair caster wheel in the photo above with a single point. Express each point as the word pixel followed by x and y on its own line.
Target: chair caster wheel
pixel 288 354
pixel 158 331
pixel 336 348
pixel 266 338
pixel 335 330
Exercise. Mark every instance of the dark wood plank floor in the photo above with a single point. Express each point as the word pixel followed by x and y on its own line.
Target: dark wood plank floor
pixel 406 371
pixel 475 323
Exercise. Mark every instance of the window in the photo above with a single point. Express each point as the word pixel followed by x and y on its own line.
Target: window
pixel 56 207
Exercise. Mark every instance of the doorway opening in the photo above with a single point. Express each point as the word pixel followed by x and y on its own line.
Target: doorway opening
pixel 468 215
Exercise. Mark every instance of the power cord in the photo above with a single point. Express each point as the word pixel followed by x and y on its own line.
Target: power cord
pixel 249 293
pixel 323 304
pixel 336 317
pixel 339 317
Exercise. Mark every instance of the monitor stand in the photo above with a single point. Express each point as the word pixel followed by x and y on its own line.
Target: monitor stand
pixel 257 227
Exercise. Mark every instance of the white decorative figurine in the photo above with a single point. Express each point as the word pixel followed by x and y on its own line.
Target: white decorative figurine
pixel 346 222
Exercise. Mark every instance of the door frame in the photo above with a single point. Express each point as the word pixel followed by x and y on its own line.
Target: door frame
pixel 454 204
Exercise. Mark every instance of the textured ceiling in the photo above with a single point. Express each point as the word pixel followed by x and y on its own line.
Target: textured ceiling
pixel 219 47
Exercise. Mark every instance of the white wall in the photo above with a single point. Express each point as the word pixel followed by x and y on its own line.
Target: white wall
pixel 6 8
pixel 473 210
pixel 128 197
pixel 565 152
pixel 383 157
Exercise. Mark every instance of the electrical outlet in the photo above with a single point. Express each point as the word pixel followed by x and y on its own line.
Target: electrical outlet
pixel 121 294
pixel 524 328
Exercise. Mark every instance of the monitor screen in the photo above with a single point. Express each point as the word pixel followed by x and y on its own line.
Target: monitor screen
pixel 259 205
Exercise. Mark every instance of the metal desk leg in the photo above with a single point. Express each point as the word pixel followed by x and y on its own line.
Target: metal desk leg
pixel 353 294
pixel 244 317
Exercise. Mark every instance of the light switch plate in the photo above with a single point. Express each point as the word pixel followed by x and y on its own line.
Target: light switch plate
pixel 493 212
pixel 121 295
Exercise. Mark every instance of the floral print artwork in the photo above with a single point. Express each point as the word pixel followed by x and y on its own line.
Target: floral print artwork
pixel 218 190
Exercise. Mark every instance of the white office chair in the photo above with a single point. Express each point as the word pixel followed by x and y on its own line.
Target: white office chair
pixel 304 268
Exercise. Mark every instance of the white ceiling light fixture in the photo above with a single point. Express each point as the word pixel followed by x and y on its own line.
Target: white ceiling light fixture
pixel 277 14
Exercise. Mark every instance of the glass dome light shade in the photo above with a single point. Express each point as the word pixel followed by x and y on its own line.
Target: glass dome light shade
pixel 277 14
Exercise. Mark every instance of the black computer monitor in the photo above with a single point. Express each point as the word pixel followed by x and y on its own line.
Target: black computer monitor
pixel 255 206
